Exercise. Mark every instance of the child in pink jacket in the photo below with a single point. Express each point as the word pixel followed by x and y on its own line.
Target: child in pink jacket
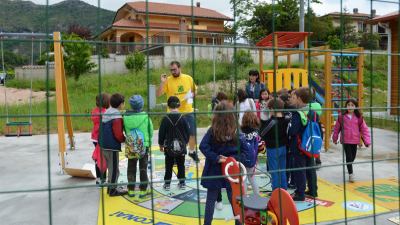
pixel 353 129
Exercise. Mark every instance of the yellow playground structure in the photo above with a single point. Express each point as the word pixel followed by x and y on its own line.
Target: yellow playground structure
pixel 339 69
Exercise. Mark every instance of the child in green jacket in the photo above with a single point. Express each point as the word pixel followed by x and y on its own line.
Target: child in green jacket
pixel 139 133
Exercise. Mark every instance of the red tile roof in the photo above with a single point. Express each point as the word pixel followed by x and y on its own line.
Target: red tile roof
pixel 139 24
pixel 177 10
pixel 387 17
pixel 347 14
pixel 286 39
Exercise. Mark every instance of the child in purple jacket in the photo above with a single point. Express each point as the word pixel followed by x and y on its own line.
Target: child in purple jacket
pixel 250 125
pixel 353 129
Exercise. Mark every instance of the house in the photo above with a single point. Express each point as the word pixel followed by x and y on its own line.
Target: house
pixel 357 20
pixel 163 23
pixel 391 21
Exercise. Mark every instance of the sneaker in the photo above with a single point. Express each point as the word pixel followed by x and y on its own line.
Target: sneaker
pixel 194 156
pixel 219 206
pixel 167 187
pixel 297 197
pixel 131 193
pixel 116 192
pixel 143 194
pixel 98 181
pixel 351 178
pixel 182 186
pixel 312 194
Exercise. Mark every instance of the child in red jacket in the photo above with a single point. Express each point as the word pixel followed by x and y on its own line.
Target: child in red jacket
pixel 102 104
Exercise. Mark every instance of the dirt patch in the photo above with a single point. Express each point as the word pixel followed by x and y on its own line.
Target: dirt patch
pixel 20 96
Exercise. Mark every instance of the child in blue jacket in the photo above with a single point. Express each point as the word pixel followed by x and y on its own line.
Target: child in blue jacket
pixel 300 98
pixel 220 141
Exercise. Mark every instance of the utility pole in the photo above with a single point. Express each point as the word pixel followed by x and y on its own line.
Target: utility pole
pixel 301 29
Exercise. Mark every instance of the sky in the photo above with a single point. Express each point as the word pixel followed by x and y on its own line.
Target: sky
pixel 224 7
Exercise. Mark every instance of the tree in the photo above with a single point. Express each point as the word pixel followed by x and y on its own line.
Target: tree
pixel 12 60
pixel 321 27
pixel 135 62
pixel 77 56
pixel 369 41
pixel 266 18
pixel 79 30
pixel 256 19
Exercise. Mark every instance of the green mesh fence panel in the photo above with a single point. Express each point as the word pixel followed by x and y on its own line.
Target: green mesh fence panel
pixel 126 51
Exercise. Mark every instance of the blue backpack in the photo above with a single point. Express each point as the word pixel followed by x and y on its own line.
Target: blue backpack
pixel 310 142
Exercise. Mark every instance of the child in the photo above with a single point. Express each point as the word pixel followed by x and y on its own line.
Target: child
pixel 102 103
pixel 220 142
pixel 261 106
pixel 284 95
pixel 299 99
pixel 275 137
pixel 244 104
pixel 173 137
pixel 112 135
pixel 250 125
pixel 139 133
pixel 221 96
pixel 352 127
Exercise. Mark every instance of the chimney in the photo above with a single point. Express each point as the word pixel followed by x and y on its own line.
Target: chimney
pixel 198 4
pixel 355 10
pixel 373 13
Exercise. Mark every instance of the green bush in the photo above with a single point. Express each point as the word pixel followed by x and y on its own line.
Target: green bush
pixel 242 58
pixel 135 62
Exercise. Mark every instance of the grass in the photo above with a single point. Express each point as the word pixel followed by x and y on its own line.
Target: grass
pixel 82 94
pixel 382 124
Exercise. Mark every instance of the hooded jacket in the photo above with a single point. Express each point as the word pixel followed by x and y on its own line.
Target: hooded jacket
pixel 353 130
pixel 112 135
pixel 142 122
pixel 212 151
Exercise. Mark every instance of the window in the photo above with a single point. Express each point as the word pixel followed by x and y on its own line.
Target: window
pixel 197 40
pixel 160 39
pixel 360 26
pixel 217 41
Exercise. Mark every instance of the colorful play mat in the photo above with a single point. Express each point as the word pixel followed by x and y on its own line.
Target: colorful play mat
pixel 182 207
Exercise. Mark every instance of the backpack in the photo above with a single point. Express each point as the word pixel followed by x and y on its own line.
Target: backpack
pixel 310 142
pixel 174 143
pixel 134 144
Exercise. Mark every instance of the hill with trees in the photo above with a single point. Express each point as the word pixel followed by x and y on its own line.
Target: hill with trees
pixel 26 16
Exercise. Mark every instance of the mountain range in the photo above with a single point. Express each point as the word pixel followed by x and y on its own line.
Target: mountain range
pixel 26 16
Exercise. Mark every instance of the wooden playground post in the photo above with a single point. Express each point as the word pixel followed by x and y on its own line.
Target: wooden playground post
pixel 276 52
pixel 261 62
pixel 61 98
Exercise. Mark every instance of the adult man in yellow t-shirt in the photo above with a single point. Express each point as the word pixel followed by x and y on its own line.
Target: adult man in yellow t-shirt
pixel 182 86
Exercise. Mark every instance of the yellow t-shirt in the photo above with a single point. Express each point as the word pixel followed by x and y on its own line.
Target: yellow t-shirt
pixel 179 87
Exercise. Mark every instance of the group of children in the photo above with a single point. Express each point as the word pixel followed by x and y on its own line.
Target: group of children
pixel 274 121
pixel 111 128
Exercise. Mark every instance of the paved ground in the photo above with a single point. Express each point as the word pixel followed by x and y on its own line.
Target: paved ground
pixel 25 178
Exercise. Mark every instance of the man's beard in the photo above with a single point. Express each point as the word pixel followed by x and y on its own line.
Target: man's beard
pixel 175 75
